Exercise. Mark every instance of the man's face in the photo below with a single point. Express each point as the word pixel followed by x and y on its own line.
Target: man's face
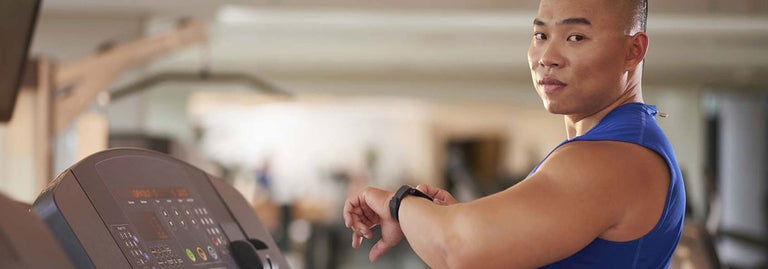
pixel 577 56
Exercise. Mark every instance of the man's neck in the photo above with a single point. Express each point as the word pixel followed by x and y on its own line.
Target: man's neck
pixel 576 126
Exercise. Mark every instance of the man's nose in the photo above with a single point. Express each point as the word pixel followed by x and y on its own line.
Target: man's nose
pixel 551 58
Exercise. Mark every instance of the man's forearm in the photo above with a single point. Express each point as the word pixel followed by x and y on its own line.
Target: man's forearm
pixel 427 228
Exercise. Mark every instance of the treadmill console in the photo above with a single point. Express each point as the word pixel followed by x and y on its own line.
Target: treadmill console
pixel 133 208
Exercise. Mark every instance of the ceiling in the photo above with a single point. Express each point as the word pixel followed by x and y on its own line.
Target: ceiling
pixel 201 7
pixel 717 44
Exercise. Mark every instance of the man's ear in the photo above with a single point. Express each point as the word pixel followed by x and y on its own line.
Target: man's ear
pixel 637 48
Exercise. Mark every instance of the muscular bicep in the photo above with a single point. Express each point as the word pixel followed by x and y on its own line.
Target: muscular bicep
pixel 547 217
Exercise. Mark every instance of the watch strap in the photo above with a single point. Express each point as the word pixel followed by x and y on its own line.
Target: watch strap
pixel 402 192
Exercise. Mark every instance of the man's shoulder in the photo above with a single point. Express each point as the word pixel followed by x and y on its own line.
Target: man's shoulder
pixel 604 159
pixel 587 149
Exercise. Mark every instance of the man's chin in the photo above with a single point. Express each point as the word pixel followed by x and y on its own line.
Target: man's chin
pixel 555 109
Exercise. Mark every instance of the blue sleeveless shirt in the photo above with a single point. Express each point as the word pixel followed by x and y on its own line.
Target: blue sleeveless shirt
pixel 635 123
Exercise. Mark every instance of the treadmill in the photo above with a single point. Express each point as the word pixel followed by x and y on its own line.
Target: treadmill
pixel 135 208
pixel 25 242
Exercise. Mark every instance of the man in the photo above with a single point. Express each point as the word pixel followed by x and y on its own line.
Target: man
pixel 610 196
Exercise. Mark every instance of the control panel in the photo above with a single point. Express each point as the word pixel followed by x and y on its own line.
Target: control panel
pixel 133 208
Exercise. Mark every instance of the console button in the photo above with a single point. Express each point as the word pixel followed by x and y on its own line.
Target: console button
pixel 201 253
pixel 191 255
pixel 213 253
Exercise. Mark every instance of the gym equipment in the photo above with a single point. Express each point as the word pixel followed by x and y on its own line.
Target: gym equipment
pixel 134 208
pixel 25 241
pixel 17 21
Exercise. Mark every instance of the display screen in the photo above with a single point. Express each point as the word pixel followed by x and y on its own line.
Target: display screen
pixel 148 225
pixel 154 193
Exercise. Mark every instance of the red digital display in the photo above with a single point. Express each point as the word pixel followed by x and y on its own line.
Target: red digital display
pixel 155 193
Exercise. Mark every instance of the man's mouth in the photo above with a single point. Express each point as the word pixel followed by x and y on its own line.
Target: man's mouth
pixel 550 85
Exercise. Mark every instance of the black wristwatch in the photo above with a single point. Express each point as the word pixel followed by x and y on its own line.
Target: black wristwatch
pixel 405 190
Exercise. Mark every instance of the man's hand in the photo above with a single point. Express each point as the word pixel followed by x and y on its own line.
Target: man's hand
pixel 365 210
pixel 370 207
pixel 439 196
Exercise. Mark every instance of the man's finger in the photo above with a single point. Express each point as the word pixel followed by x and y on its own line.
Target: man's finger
pixel 379 249
pixel 363 230
pixel 350 211
pixel 370 216
pixel 428 190
pixel 357 239
pixel 440 196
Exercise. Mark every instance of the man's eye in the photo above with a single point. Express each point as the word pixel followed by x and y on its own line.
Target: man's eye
pixel 575 38
pixel 540 36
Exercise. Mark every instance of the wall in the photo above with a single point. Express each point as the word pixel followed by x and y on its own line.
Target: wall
pixel 18 178
pixel 743 176
pixel 684 127
pixel 529 130
pixel 309 139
